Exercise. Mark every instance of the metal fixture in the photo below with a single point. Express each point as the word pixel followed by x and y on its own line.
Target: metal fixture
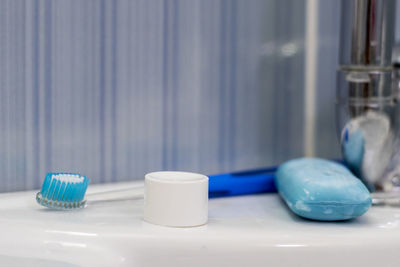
pixel 367 96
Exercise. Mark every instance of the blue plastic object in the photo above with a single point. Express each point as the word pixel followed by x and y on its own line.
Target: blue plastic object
pixel 323 190
pixel 242 183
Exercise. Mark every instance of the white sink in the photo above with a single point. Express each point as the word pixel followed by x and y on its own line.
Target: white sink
pixel 242 231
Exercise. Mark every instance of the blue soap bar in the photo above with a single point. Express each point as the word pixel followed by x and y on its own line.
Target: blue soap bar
pixel 323 190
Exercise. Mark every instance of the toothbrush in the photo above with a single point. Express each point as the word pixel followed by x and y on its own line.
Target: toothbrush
pixel 67 190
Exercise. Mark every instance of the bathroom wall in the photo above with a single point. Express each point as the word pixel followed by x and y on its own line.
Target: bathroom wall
pixel 115 89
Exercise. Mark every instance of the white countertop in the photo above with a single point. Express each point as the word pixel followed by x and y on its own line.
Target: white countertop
pixel 253 230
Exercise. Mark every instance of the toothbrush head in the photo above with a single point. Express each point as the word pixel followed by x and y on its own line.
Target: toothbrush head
pixel 63 191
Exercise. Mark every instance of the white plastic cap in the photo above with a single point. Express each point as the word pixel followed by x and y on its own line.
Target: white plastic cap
pixel 177 199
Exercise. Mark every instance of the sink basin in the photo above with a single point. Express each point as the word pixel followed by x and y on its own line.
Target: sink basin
pixel 255 230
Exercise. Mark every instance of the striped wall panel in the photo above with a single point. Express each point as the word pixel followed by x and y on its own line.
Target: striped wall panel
pixel 115 89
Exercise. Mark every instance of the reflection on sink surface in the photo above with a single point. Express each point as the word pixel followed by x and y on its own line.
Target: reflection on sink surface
pixel 257 230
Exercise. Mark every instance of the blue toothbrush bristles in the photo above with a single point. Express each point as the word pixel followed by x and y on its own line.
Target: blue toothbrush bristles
pixel 63 191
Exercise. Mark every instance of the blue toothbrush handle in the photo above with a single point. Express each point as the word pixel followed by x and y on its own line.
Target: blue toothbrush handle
pixel 242 183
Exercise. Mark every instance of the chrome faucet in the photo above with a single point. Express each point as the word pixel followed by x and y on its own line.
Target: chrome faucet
pixel 368 93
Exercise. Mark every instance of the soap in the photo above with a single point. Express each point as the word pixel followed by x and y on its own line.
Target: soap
pixel 322 190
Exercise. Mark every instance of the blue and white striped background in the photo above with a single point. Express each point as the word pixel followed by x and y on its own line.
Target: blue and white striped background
pixel 115 89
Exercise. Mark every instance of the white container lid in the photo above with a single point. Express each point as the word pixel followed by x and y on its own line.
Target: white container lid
pixel 178 199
